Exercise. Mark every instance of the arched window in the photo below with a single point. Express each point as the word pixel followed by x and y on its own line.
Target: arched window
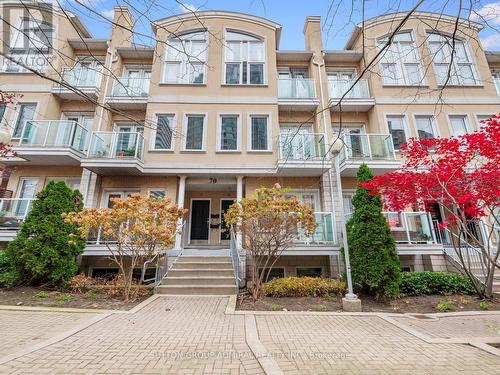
pixel 462 70
pixel 244 59
pixel 185 58
pixel 400 63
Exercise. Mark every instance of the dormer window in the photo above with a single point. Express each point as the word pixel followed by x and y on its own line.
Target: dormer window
pixel 400 63
pixel 185 58
pixel 244 59
pixel 451 57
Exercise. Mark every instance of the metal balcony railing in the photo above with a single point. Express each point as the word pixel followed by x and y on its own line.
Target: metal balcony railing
pixel 113 145
pixel 324 232
pixel 58 133
pixel 302 146
pixel 80 76
pixel 337 89
pixel 296 88
pixel 367 147
pixel 497 84
pixel 13 211
pixel 131 87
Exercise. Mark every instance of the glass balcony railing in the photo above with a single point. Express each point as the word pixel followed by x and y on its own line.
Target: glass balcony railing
pixel 81 77
pixel 367 147
pixel 113 145
pixel 324 231
pixel 296 88
pixel 497 84
pixel 131 87
pixel 54 134
pixel 13 211
pixel 302 146
pixel 411 227
pixel 337 89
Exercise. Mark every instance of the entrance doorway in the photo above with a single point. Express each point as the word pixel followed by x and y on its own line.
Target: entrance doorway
pixel 199 231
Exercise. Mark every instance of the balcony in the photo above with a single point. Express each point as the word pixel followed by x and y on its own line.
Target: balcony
pixel 324 232
pixel 297 94
pixel 129 93
pixel 84 79
pixel 115 152
pixel 376 150
pixel 357 99
pixel 57 142
pixel 13 211
pixel 302 153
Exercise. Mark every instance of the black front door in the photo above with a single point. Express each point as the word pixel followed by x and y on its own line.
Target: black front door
pixel 224 205
pixel 200 212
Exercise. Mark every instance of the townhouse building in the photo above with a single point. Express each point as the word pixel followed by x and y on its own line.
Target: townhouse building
pixel 213 109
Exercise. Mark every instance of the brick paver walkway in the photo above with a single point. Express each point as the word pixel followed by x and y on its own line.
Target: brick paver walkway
pixel 456 326
pixel 19 329
pixel 192 335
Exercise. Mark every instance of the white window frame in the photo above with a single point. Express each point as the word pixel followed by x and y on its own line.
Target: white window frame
pixel 152 143
pixel 269 132
pixel 477 115
pixel 151 189
pixel 435 128
pixel 17 109
pixel 123 194
pixel 399 64
pixel 467 122
pixel 300 192
pixel 225 61
pixel 64 179
pixel 184 131
pixel 20 185
pixel 405 126
pixel 471 62
pixel 238 130
pixel 184 61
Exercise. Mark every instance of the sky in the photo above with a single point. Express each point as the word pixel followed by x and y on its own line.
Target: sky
pixel 338 16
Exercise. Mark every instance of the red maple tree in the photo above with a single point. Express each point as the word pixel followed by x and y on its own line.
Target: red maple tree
pixel 462 175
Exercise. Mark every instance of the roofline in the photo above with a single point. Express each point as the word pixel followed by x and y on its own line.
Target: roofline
pixel 393 16
pixel 219 14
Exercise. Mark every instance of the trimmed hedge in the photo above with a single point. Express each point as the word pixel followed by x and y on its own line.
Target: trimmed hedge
pixel 303 287
pixel 423 283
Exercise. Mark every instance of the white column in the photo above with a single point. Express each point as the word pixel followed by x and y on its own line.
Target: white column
pixel 180 204
pixel 239 196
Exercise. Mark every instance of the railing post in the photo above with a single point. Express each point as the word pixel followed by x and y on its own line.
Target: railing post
pixel 405 220
pixel 367 137
pixel 47 133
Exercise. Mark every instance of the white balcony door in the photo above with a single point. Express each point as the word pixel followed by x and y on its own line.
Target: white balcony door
pixel 74 135
pixel 86 70
pixel 340 81
pixel 138 80
pixel 355 140
pixel 296 143
pixel 27 190
pixel 127 138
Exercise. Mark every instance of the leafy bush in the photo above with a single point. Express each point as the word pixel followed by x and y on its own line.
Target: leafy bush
pixel 484 305
pixel 419 283
pixel 374 261
pixel 303 287
pixel 445 306
pixel 45 248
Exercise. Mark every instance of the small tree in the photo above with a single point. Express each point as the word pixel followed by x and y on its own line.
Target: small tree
pixel 374 261
pixel 462 175
pixel 45 248
pixel 133 230
pixel 270 222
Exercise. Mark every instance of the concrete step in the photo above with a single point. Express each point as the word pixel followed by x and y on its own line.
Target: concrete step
pixel 200 272
pixel 202 265
pixel 199 281
pixel 183 259
pixel 196 289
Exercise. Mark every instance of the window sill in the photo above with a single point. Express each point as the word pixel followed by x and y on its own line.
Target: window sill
pixel 228 152
pixel 259 151
pixel 159 150
pixel 243 85
pixel 193 151
pixel 181 84
pixel 405 86
pixel 479 85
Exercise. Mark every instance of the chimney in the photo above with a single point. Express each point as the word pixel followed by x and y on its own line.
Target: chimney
pixel 122 28
pixel 312 34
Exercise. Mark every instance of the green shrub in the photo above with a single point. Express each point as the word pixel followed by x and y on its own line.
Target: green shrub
pixel 45 248
pixel 445 306
pixel 303 287
pixel 484 305
pixel 444 283
pixel 65 297
pixel 374 261
pixel 41 295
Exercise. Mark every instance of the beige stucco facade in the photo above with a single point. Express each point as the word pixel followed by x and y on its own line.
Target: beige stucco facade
pixel 294 91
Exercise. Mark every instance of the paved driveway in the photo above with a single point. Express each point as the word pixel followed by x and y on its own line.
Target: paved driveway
pixel 193 335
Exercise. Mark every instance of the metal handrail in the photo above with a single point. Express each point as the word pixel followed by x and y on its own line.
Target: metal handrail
pixel 235 256
pixel 54 133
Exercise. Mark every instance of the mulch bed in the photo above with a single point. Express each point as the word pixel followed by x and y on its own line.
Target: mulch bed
pixel 418 304
pixel 30 296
